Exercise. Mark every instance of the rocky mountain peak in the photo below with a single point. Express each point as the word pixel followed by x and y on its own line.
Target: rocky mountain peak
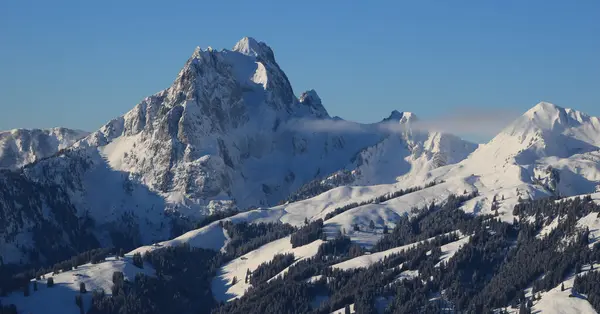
pixel 400 117
pixel 251 47
pixel 312 100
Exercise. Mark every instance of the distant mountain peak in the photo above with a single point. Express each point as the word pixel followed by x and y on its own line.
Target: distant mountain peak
pixel 310 96
pixel 545 109
pixel 251 47
pixel 545 106
pixel 401 117
pixel 549 117
pixel 19 147
pixel 311 99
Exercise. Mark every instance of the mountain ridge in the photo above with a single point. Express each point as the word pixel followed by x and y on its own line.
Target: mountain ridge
pixel 19 147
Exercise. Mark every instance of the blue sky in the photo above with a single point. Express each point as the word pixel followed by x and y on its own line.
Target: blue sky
pixel 81 63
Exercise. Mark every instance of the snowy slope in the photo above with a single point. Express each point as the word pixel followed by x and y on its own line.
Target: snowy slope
pixel 591 222
pixel 19 147
pixel 221 284
pixel 388 213
pixel 448 250
pixel 60 299
pixel 555 301
pixel 367 260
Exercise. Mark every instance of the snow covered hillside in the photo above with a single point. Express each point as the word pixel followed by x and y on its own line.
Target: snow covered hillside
pixel 20 146
pixel 60 298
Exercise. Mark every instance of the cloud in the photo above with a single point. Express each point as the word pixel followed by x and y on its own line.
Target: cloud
pixel 475 124
pixel 470 122
pixel 333 126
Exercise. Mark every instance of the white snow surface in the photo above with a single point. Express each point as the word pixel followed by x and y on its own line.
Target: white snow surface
pixel 366 260
pixel 448 250
pixel 60 299
pixel 592 222
pixel 342 310
pixel 222 288
pixel 555 301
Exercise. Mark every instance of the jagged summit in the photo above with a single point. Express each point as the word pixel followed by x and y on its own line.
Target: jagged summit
pixel 312 100
pixel 401 117
pixel 310 96
pixel 251 47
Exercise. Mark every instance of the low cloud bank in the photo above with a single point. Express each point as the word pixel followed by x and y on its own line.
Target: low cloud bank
pixel 474 124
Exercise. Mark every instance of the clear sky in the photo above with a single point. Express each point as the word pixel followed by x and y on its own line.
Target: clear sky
pixel 81 63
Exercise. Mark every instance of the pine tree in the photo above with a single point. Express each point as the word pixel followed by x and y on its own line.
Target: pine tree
pixel 137 260
pixel 562 286
pixel 50 282
pixel 347 309
pixel 371 224
pixel 523 309
pixel 79 302
pixel 82 287
pixel 385 229
pixel 118 277
pixel 356 227
pixel 35 288
pixel 234 280
pixel 248 273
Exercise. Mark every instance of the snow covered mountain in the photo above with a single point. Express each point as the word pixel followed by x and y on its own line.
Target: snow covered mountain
pixel 21 146
pixel 547 151
pixel 222 132
pixel 228 133
pixel 408 152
